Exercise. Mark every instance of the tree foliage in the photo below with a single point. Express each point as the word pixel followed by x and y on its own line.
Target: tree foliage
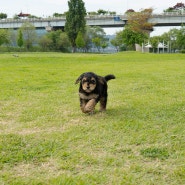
pixel 117 42
pixel 45 42
pixel 4 36
pixel 177 7
pixel 138 21
pixel 80 43
pixel 97 42
pixel 75 20
pixel 137 28
pixel 64 43
pixel 98 37
pixel 130 37
pixel 102 12
pixel 3 15
pixel 29 34
pixel 88 38
pixel 181 38
pixel 171 37
pixel 174 37
pixel 55 41
pixel 59 14
pixel 154 41
pixel 20 40
pixel 129 11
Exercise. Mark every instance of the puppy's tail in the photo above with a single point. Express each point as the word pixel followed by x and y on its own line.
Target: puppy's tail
pixel 109 77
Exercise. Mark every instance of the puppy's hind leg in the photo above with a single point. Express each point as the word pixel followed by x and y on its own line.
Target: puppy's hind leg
pixel 103 104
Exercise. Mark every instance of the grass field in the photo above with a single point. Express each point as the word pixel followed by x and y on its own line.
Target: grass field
pixel 46 140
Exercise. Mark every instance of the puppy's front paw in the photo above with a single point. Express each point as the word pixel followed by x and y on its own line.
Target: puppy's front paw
pixel 90 106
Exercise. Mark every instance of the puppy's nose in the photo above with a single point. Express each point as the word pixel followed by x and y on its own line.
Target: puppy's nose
pixel 88 87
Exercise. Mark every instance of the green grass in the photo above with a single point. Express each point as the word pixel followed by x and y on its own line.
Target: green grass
pixel 45 139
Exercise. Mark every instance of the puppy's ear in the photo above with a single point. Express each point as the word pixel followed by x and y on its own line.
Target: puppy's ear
pixel 79 78
pixel 101 80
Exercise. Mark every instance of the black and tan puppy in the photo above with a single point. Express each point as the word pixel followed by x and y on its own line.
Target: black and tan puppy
pixel 93 89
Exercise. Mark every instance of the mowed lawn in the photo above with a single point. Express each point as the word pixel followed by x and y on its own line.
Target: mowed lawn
pixel 46 140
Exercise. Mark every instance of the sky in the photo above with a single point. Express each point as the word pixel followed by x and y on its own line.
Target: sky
pixel 45 8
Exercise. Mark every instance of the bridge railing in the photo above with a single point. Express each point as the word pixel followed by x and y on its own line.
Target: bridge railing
pixel 170 14
pixel 88 17
pixel 56 18
pixel 9 20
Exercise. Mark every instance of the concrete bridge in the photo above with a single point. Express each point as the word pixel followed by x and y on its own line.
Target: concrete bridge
pixel 175 19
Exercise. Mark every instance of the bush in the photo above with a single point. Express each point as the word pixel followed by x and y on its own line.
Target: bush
pixel 17 49
pixel 182 51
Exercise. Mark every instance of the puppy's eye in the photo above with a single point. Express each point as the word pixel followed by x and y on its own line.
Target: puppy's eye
pixel 93 81
pixel 83 81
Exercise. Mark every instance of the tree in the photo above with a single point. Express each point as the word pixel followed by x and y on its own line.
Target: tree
pixel 137 28
pixel 130 38
pixel 29 34
pixel 4 36
pixel 80 43
pixel 154 41
pixel 54 37
pixel 174 37
pixel 100 43
pixel 104 44
pixel 97 43
pixel 12 38
pixel 171 38
pixel 173 33
pixel 55 41
pixel 88 38
pixel 20 41
pixel 64 43
pixel 75 20
pixel 3 16
pixel 117 42
pixel 129 11
pixel 98 38
pixel 138 21
pixel 45 43
pixel 181 38
pixel 177 8
pixel 102 12
pixel 58 14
